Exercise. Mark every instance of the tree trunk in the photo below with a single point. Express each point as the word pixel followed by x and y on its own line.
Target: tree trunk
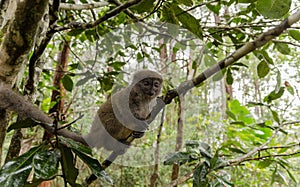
pixel 3 125
pixel 21 28
pixel 58 93
pixel 20 36
pixel 61 69
pixel 179 138
pixel 155 176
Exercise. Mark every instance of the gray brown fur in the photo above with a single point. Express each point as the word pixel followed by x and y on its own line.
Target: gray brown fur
pixel 123 115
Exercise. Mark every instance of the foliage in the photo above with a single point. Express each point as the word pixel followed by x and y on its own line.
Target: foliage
pixel 44 162
pixel 258 117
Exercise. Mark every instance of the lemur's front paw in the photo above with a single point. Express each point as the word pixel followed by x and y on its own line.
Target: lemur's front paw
pixel 137 134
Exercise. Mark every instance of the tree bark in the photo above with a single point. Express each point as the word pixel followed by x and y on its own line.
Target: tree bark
pixel 179 138
pixel 3 125
pixel 19 38
pixel 61 69
pixel 17 43
pixel 59 92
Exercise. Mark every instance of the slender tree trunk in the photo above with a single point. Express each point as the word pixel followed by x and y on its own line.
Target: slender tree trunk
pixel 58 93
pixel 258 98
pixel 155 175
pixel 179 138
pixel 61 69
pixel 180 119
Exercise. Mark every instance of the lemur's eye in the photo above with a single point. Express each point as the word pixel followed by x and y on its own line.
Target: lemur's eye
pixel 146 83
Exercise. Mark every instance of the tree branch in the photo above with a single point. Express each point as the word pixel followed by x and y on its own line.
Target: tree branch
pixel 128 12
pixel 15 102
pixel 180 180
pixel 226 62
pixel 108 15
pixel 265 157
pixel 68 6
pixel 189 175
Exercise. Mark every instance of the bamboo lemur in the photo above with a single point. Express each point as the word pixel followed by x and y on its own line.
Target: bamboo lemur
pixel 122 117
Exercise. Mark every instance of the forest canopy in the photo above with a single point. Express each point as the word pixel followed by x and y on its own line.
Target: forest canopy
pixel 227 114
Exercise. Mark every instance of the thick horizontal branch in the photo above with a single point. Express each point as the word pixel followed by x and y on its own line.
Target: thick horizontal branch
pixel 108 15
pixel 127 11
pixel 68 6
pixel 17 103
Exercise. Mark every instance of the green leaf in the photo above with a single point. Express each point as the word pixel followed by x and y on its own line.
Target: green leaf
pixel 242 114
pixel 230 114
pixel 75 145
pixel 252 104
pixel 204 148
pixel 67 83
pixel 14 173
pixel 139 57
pixel 291 176
pixel 246 1
pixel 106 83
pixel 219 75
pixel 290 89
pixel 236 150
pixel 229 78
pixel 294 34
pixel 28 122
pixel 240 64
pixel 216 161
pixel 214 8
pixel 278 81
pixel 177 158
pixel 68 164
pixel 222 181
pixel 45 163
pixel 279 177
pixel 75 32
pixel 238 123
pixel 282 48
pixel 199 177
pixel 88 76
pixel 274 95
pixel 264 163
pixel 143 6
pixel 117 65
pixel 188 21
pixel 263 69
pixel 186 2
pixel 273 9
pixel 275 116
pixel 209 60
pixel 263 56
pixel 94 165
